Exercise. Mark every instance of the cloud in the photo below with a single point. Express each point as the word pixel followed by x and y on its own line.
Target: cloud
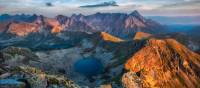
pixel 104 4
pixel 49 4
pixel 185 2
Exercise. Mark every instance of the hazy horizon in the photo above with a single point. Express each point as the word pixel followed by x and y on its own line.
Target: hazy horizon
pixel 165 20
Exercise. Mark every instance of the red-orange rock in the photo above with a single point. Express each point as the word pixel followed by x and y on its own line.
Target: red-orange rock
pixel 56 29
pixel 165 63
pixel 142 35
pixel 107 37
pixel 22 29
pixel 56 26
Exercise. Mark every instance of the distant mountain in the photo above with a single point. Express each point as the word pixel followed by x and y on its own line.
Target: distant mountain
pixel 17 18
pixel 176 20
pixel 194 32
pixel 181 28
pixel 118 24
pixel 104 4
pixel 163 63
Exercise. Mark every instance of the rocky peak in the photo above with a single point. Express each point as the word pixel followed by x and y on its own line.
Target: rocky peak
pixel 135 20
pixel 163 63
pixel 38 19
pixel 78 17
pixel 62 19
pixel 135 13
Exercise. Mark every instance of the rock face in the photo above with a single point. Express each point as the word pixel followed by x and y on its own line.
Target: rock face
pixel 163 63
pixel 135 20
pixel 22 29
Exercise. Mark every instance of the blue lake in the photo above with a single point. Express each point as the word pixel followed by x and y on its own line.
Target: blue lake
pixel 88 67
pixel 9 81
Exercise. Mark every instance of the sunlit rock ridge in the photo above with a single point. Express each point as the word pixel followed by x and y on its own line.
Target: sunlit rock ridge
pixel 163 63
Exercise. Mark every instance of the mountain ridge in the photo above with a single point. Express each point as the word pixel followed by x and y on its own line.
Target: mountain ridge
pixel 118 24
pixel 163 63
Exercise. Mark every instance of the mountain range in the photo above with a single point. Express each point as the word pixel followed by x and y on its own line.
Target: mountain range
pixel 118 24
pixel 102 50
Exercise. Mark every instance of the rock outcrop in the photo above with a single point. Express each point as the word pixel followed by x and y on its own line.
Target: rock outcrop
pixel 29 77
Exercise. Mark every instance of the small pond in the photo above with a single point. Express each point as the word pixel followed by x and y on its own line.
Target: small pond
pixel 88 67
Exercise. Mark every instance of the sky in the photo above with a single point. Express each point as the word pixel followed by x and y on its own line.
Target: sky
pixel 68 7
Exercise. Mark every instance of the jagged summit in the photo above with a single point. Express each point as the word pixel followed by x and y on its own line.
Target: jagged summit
pixel 163 63
pixel 135 13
